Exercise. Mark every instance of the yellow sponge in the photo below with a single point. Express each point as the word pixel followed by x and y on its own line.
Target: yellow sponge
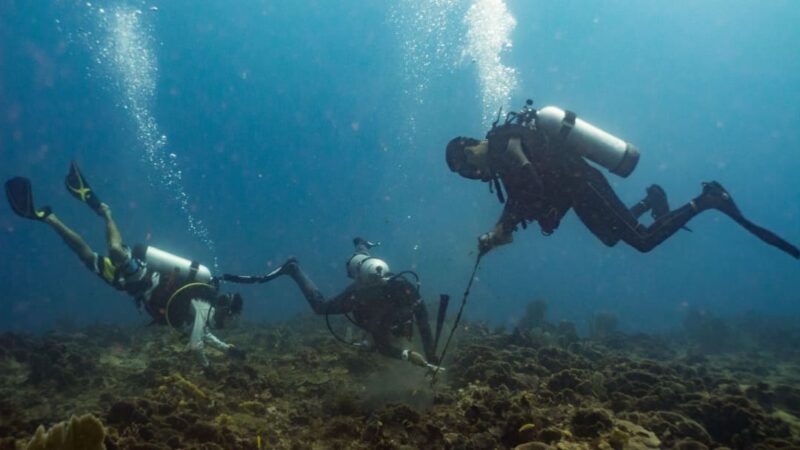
pixel 79 433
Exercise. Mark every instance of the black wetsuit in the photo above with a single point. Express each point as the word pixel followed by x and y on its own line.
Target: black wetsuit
pixel 558 179
pixel 385 310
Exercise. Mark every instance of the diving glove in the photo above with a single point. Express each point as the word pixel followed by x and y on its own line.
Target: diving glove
pixel 434 368
pixel 418 360
pixel 490 240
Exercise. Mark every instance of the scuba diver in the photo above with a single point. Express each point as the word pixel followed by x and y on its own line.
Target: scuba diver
pixel 537 156
pixel 383 304
pixel 172 290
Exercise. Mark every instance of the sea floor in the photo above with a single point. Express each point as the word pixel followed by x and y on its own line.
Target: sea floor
pixel 537 388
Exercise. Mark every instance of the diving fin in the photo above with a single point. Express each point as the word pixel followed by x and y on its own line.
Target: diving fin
pixel 284 269
pixel 767 236
pixel 80 189
pixel 715 196
pixel 20 197
pixel 287 268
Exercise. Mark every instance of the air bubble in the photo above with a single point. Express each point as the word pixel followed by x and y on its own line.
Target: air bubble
pixel 127 51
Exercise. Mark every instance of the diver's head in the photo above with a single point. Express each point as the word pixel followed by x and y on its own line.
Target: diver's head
pixel 469 158
pixel 228 307
pixel 367 269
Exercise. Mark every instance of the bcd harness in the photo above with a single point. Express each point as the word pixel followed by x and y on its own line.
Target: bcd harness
pixel 498 138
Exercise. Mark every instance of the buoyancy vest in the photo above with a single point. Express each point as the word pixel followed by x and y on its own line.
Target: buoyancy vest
pixel 387 307
pixel 539 191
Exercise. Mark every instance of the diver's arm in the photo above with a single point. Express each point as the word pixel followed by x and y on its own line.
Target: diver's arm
pixel 501 234
pixel 506 224
pixel 515 156
pixel 382 344
pixel 196 344
pixel 201 334
pixel 214 341
pixel 515 153
pixel 417 360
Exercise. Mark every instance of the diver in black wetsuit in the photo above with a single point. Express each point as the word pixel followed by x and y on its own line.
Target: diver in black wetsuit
pixel 538 157
pixel 385 305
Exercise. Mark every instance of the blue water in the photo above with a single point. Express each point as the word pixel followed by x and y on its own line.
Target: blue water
pixel 296 126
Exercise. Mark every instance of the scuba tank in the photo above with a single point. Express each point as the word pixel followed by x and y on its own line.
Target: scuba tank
pixel 166 263
pixel 367 269
pixel 594 144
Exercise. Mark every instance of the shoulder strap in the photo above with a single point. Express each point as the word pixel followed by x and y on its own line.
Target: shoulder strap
pixel 498 189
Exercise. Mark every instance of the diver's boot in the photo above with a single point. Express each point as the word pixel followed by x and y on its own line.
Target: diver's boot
pixel 655 201
pixel 287 268
pixel 715 196
pixel 640 208
pixel 658 203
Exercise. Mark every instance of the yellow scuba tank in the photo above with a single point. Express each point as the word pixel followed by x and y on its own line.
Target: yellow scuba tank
pixel 594 144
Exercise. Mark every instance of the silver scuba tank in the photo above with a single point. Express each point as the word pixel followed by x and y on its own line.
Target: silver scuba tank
pixel 594 144
pixel 367 269
pixel 166 263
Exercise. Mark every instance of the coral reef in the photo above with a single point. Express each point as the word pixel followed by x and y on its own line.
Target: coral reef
pixel 533 388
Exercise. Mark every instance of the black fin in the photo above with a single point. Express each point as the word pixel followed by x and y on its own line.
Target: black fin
pixel 80 189
pixel 767 236
pixel 20 197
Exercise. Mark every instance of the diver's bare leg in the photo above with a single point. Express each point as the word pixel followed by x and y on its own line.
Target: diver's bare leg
pixel 73 240
pixel 116 251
